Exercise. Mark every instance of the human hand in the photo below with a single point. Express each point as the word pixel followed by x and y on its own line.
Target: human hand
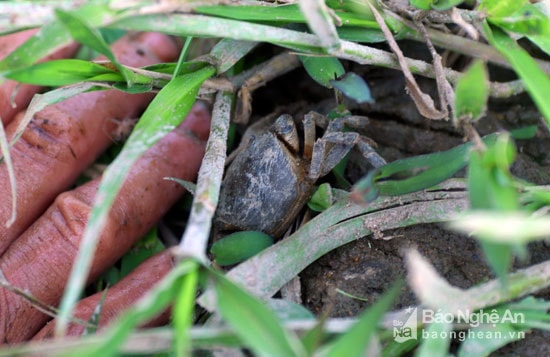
pixel 38 249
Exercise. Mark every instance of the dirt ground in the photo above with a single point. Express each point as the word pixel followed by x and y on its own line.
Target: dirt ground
pixel 367 267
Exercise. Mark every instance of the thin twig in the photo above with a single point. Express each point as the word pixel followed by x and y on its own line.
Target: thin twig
pixel 444 89
pixel 195 237
pixel 257 77
pixel 36 303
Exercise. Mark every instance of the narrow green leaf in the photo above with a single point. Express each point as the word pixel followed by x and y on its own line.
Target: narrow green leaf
pixel 472 92
pixel 183 312
pixel 489 180
pixel 437 345
pixel 256 325
pixel 58 73
pixel 96 14
pixel 499 257
pixel 280 14
pixel 353 87
pixel 84 33
pixel 165 112
pixel 536 81
pixel 356 341
pixel 421 172
pixel 530 312
pixel 411 174
pixel 313 338
pixel 323 69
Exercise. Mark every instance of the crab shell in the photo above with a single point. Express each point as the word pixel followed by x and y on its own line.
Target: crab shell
pixel 264 188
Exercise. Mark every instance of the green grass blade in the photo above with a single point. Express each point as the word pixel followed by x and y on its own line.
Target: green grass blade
pixel 420 172
pixel 257 326
pixel 58 36
pixel 58 73
pixel 438 345
pixel 165 112
pixel 411 174
pixel 82 32
pixel 281 14
pixel 356 341
pixel 183 312
pixel 536 81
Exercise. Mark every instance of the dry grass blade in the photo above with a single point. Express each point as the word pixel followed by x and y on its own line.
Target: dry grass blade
pixel 423 102
pixel 195 237
pixel 435 292
pixel 258 77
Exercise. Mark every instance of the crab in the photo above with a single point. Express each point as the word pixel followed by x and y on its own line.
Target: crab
pixel 270 181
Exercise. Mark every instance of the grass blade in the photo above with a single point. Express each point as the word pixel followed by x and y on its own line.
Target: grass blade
pixel 5 151
pixel 183 311
pixel 257 326
pixel 82 32
pixel 438 345
pixel 536 81
pixel 58 73
pixel 58 36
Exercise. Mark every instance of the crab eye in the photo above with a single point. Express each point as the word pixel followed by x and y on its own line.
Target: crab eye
pixel 285 129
